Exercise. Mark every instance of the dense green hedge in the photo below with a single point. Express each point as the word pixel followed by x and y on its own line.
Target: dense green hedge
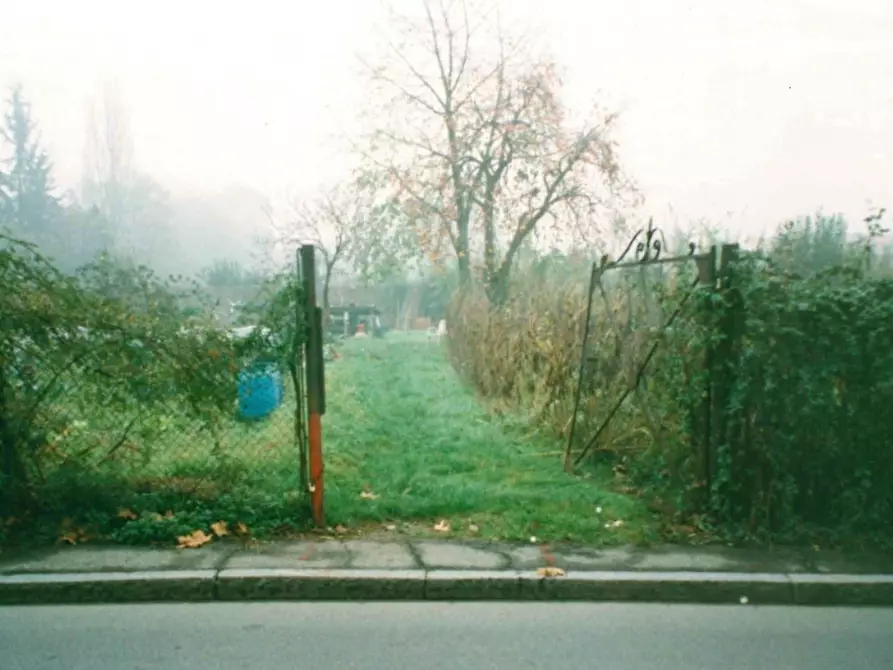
pixel 809 437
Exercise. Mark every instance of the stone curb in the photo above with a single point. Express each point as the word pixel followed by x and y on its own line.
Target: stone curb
pixel 445 585
pixel 108 587
pixel 316 584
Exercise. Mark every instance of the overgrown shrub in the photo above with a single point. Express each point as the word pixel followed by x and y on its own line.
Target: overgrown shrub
pixel 97 369
pixel 526 352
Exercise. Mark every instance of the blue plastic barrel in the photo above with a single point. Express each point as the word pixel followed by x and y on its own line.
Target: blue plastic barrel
pixel 260 391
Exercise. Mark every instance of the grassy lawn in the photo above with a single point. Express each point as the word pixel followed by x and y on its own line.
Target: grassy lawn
pixel 402 426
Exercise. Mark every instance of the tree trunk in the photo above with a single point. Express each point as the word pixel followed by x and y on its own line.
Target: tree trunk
pixel 460 201
pixel 497 286
pixel 462 255
pixel 491 279
pixel 464 270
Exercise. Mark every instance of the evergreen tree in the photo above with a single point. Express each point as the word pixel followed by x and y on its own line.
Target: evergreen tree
pixel 26 181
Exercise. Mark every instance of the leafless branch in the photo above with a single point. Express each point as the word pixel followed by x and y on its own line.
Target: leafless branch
pixel 488 134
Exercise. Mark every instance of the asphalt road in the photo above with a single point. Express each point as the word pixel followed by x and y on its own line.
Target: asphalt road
pixel 430 636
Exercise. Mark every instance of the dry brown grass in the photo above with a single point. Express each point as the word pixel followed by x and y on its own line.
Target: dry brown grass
pixel 526 356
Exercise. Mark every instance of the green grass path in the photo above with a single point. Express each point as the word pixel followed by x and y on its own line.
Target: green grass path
pixel 401 425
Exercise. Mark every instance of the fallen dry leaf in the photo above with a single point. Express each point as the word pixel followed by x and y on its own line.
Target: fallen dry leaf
pixel 442 526
pixel 219 529
pixel 73 535
pixel 368 495
pixel 391 526
pixel 126 514
pixel 473 528
pixel 550 571
pixel 193 541
pixel 241 529
pixel 341 530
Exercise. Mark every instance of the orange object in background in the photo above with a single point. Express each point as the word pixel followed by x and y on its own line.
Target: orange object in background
pixel 361 327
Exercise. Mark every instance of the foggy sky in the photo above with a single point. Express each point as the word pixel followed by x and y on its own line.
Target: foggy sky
pixel 740 112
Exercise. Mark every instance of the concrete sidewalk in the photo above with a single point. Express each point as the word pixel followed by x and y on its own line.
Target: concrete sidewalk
pixel 442 570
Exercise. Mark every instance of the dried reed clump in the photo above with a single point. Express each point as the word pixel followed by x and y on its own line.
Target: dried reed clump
pixel 526 355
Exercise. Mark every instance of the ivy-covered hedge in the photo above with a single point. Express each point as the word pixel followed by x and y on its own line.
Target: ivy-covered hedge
pixel 809 439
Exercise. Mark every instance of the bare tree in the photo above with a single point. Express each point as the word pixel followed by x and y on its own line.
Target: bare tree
pixel 338 221
pixel 108 154
pixel 479 145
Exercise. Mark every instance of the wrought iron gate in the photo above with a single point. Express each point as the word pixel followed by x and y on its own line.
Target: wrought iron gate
pixel 645 250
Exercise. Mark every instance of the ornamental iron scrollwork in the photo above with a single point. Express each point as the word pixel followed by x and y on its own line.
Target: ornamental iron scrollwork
pixel 647 245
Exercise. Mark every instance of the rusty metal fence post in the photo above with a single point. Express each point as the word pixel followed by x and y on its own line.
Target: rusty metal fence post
pixel 315 383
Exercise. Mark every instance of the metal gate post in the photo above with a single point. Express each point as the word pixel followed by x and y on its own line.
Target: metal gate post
pixel 584 353
pixel 315 402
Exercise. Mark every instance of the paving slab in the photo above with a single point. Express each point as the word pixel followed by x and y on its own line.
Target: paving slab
pixel 297 555
pixel 455 556
pixel 686 560
pixel 571 558
pixel 380 555
pixel 87 558
pixel 836 562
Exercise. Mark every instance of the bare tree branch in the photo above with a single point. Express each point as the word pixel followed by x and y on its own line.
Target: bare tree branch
pixel 488 158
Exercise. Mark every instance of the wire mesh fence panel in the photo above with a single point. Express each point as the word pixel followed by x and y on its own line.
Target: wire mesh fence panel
pixel 128 407
pixel 107 429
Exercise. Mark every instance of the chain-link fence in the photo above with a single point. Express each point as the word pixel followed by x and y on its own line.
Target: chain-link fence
pixel 117 409
pixel 92 419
